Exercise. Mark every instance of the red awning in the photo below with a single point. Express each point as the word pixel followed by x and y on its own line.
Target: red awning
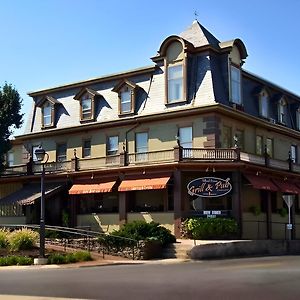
pixel 261 183
pixel 88 188
pixel 144 184
pixel 286 186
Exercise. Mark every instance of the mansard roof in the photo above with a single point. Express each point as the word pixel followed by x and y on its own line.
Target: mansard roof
pixel 123 82
pixel 85 90
pixel 236 42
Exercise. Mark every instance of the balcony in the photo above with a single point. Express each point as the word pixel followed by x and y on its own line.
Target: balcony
pixel 177 154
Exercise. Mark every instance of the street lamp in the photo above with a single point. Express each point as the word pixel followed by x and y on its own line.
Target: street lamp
pixel 40 156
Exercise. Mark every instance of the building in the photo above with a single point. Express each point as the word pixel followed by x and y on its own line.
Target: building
pixel 194 134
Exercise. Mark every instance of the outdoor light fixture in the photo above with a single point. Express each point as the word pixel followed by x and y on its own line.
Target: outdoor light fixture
pixel 40 154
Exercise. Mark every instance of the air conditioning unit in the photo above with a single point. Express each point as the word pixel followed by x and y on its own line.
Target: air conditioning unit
pixel 273 121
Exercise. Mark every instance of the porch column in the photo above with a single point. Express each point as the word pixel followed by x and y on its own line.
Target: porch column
pixel 269 215
pixel 122 208
pixel 236 200
pixel 177 203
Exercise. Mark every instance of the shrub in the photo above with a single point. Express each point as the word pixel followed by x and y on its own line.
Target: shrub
pixel 141 230
pixel 206 228
pixel 22 239
pixel 283 212
pixel 58 258
pixel 3 238
pixel 15 260
pixel 255 210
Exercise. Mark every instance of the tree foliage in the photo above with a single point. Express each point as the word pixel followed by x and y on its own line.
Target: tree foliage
pixel 10 116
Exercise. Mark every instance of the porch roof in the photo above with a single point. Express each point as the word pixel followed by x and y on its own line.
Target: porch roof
pixel 29 193
pixel 286 186
pixel 261 183
pixel 136 184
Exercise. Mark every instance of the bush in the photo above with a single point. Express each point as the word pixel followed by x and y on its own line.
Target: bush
pixel 15 260
pixel 58 258
pixel 207 228
pixel 141 230
pixel 255 210
pixel 3 238
pixel 22 239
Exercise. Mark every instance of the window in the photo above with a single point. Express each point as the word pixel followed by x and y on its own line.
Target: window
pixel 259 145
pixel 298 118
pixel 227 137
pixel 269 145
pixel 86 149
pixel 293 152
pixel 61 152
pixel 264 105
pixel 175 83
pixel 141 145
pixel 239 137
pixel 10 159
pixel 282 111
pixel 186 140
pixel 235 78
pixel 112 145
pixel 86 108
pixel 47 115
pixel 125 100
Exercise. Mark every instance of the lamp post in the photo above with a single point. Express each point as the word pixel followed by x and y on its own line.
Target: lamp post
pixel 40 155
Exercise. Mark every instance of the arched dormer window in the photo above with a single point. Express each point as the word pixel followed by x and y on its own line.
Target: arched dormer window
pixel 87 98
pixel 47 105
pixel 282 111
pixel 126 95
pixel 264 104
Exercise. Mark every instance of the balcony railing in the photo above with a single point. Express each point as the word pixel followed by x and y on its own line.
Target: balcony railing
pixel 177 154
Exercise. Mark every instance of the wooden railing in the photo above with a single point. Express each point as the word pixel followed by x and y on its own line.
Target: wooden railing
pixel 177 154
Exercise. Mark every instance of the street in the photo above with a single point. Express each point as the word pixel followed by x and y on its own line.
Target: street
pixel 250 278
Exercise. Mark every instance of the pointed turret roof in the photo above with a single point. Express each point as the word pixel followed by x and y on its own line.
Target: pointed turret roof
pixel 199 36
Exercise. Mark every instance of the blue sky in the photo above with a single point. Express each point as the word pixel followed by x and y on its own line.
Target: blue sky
pixel 53 42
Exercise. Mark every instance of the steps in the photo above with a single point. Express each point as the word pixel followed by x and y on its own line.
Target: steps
pixel 177 250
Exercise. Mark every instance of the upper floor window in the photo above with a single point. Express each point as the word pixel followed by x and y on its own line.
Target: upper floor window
pixel 259 145
pixel 298 118
pixel 47 114
pixel 293 152
pixel 10 159
pixel 186 137
pixel 141 145
pixel 270 147
pixel 264 104
pixel 126 93
pixel 239 139
pixel 282 111
pixel 48 105
pixel 61 152
pixel 87 98
pixel 175 73
pixel 86 148
pixel 235 85
pixel 112 145
pixel 227 137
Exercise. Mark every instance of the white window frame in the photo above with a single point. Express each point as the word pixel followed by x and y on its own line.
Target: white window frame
pixel 233 82
pixel 115 149
pixel 171 83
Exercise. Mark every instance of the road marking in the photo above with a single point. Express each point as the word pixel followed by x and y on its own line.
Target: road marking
pixel 20 297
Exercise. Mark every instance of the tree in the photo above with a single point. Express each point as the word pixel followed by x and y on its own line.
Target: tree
pixel 10 117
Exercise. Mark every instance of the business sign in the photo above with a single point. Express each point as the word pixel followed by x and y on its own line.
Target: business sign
pixel 209 187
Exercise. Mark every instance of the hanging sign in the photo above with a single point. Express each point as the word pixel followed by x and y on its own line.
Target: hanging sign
pixel 209 187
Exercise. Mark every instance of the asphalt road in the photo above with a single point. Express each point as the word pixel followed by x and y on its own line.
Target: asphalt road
pixel 256 278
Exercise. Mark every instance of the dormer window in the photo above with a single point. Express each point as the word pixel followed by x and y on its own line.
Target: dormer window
pixel 235 85
pixel 87 98
pixel 264 104
pixel 282 111
pixel 126 95
pixel 48 105
pixel 298 118
pixel 175 83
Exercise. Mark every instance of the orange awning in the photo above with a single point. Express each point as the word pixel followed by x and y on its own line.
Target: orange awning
pixel 88 188
pixel 287 186
pixel 144 184
pixel 261 183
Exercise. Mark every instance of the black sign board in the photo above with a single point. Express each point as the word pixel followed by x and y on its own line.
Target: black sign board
pixel 209 187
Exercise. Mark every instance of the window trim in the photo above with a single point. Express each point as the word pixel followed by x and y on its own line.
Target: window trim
pixel 234 66
pixel 48 103
pixel 132 100
pixel 56 154
pixel 107 144
pixel 92 110
pixel 83 148
pixel 267 97
pixel 282 105
pixel 296 153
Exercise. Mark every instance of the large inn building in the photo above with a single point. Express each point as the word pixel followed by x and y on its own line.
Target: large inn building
pixel 194 134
